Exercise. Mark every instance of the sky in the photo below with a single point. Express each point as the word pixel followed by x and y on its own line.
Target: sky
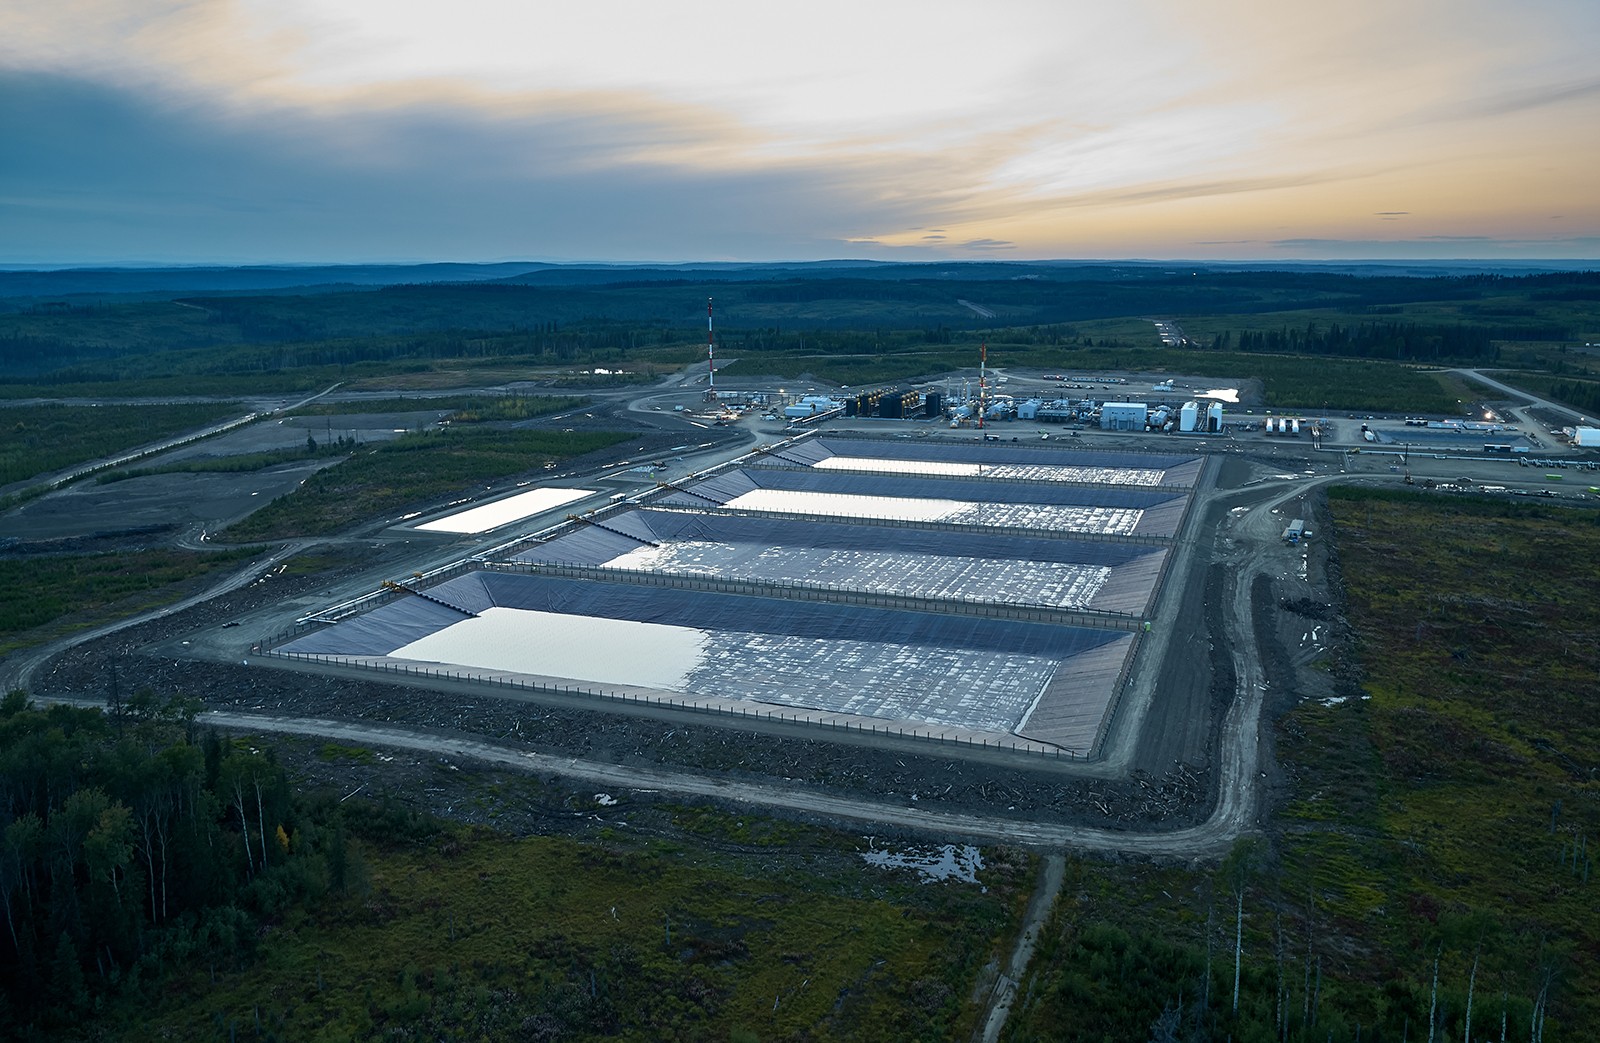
pixel 316 131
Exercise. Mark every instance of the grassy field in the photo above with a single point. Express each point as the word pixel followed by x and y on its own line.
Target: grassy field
pixel 41 439
pixel 1578 392
pixel 1453 817
pixel 46 597
pixel 1438 814
pixel 241 463
pixel 414 471
pixel 463 409
pixel 471 935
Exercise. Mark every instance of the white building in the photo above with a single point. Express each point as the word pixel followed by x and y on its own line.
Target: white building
pixel 811 405
pixel 1123 416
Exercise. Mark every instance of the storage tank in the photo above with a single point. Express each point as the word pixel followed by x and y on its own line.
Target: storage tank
pixel 1214 417
pixel 1189 416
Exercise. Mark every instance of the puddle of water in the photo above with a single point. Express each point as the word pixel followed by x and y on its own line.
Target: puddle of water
pixel 1335 700
pixel 950 862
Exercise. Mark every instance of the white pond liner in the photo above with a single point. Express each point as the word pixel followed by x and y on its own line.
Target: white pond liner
pixel 518 641
pixel 504 512
pixel 1110 521
pixel 1015 472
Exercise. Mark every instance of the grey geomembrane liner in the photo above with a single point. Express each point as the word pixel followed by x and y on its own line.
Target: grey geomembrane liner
pixel 1089 509
pixel 941 564
pixel 983 674
pixel 1064 716
pixel 387 628
pixel 1025 462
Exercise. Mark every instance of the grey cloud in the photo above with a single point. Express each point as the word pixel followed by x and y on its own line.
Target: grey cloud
pixel 989 244
pixel 1509 103
pixel 1195 189
pixel 95 174
pixel 1445 247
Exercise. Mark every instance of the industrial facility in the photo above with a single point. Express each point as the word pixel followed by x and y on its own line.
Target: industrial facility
pixel 954 590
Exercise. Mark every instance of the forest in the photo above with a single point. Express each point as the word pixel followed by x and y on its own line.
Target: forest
pixel 134 839
pixel 563 315
pixel 163 882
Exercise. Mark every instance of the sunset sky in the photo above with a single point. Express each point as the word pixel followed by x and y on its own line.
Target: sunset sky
pixel 616 130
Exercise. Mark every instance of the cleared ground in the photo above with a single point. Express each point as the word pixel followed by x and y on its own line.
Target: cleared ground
pixel 207 500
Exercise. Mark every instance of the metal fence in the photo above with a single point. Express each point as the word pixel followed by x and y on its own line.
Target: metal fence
pixel 732 713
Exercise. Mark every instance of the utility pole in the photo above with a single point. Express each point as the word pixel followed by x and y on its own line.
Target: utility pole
pixel 711 358
pixel 983 382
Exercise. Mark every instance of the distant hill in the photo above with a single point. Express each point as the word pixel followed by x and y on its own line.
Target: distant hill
pixel 64 282
pixel 167 283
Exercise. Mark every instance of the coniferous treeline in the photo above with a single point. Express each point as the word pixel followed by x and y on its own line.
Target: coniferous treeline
pixel 1583 394
pixel 1401 341
pixel 568 322
pixel 65 360
pixel 132 841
